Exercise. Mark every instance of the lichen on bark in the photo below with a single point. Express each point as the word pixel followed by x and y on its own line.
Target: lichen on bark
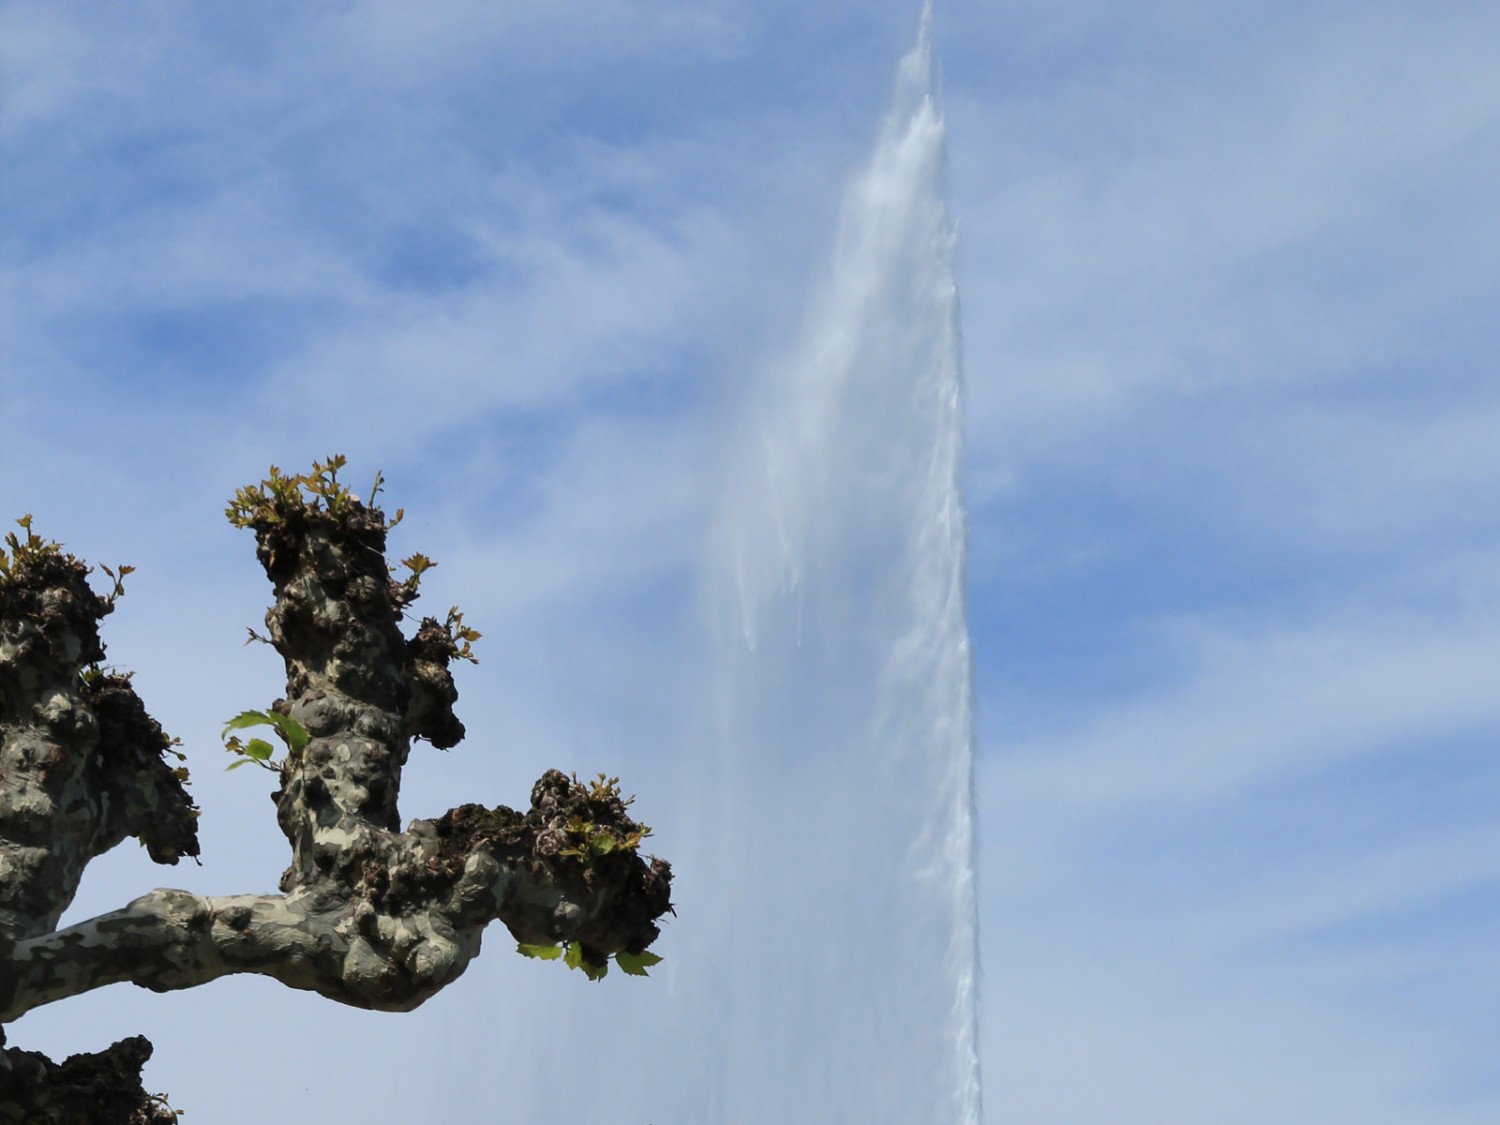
pixel 369 914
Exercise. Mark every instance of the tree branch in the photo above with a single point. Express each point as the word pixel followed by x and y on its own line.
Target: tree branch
pixel 415 930
pixel 369 915
pixel 81 763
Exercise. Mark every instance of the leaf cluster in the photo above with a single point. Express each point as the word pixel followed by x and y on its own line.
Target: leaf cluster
pixel 281 496
pixel 406 590
pixel 602 790
pixel 463 636
pixel 19 552
pixel 571 954
pixel 118 578
pixel 593 839
pixel 258 750
pixel 287 500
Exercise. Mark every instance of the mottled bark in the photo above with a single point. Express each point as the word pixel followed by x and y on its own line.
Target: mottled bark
pixel 82 765
pixel 408 923
pixel 369 915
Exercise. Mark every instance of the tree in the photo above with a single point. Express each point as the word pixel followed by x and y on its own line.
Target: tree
pixel 368 915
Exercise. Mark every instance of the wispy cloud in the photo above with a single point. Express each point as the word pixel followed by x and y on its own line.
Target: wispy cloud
pixel 1271 208
pixel 1259 706
pixel 1228 280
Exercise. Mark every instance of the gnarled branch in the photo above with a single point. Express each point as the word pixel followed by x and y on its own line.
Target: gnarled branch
pixel 369 915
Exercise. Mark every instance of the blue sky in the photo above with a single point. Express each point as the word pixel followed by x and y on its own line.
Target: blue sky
pixel 1227 276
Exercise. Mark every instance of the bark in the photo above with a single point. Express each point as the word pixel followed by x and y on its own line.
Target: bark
pixel 82 766
pixel 103 1088
pixel 369 915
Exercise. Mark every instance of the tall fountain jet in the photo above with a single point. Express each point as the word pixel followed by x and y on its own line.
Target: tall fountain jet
pixel 823 967
pixel 844 690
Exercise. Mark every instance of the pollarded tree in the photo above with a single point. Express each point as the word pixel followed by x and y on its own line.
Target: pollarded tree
pixel 369 915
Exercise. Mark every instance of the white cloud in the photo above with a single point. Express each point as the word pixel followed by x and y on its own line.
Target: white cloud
pixel 1079 1033
pixel 1262 704
pixel 1168 226
pixel 429 39
pixel 1227 270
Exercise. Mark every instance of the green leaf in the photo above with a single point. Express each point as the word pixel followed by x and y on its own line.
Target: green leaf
pixel 636 964
pixel 246 719
pixel 296 734
pixel 259 749
pixel 540 952
pixel 237 765
pixel 574 960
pixel 594 972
